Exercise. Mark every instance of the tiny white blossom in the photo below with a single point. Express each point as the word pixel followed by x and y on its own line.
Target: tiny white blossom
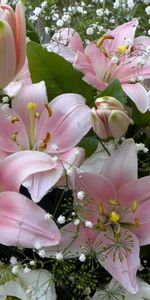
pixel 99 12
pixel 59 256
pixel 59 23
pixel 5 99
pixel 41 253
pixel 47 29
pixel 114 59
pixel 44 4
pixel 37 11
pixel 89 31
pixel 89 224
pixel 76 222
pixel 82 257
pixel 141 147
pixel 47 216
pixel 65 18
pixel 61 219
pixel 13 260
pixel 80 195
pixel 15 269
pixel 147 10
pixel 32 262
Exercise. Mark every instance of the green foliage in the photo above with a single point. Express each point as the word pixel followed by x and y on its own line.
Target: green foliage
pixel 31 33
pixel 115 90
pixel 143 120
pixel 89 143
pixel 59 75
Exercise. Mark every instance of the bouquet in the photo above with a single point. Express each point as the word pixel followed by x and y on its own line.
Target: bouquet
pixel 74 150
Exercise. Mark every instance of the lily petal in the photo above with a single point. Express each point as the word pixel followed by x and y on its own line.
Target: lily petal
pixel 18 228
pixel 138 95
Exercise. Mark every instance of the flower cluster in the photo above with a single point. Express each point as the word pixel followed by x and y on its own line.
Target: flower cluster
pixel 74 155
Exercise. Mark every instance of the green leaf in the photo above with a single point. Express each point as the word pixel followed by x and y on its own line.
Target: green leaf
pixel 89 143
pixel 115 90
pixel 143 120
pixel 31 33
pixel 59 75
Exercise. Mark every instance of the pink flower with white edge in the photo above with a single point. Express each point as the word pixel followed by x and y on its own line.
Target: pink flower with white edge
pixel 49 131
pixel 110 118
pixel 12 42
pixel 117 204
pixel 22 223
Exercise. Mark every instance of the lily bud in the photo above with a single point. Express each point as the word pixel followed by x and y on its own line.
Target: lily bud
pixel 12 42
pixel 110 118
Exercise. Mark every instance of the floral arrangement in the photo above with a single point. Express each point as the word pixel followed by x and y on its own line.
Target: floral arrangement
pixel 74 151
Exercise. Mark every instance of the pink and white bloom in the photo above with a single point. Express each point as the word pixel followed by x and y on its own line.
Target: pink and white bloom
pixel 114 216
pixel 19 228
pixel 12 42
pixel 118 55
pixel 49 131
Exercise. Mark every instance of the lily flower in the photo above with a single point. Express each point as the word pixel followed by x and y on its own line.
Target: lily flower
pixel 113 216
pixel 12 42
pixel 19 227
pixel 118 55
pixel 49 132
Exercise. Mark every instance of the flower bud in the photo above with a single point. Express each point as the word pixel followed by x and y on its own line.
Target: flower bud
pixel 110 118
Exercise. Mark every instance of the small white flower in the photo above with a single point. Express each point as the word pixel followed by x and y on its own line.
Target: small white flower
pixel 99 12
pixel 89 224
pixel 41 253
pixel 47 29
pixel 37 11
pixel 13 260
pixel 59 256
pixel 69 171
pixel 147 10
pixel 141 147
pixel 148 32
pixel 82 257
pixel 32 262
pixel 47 216
pixel 61 219
pixel 114 59
pixel 44 4
pixel 54 147
pixel 5 99
pixel 15 269
pixel 65 18
pixel 76 222
pixel 89 31
pixel 80 195
pixel 59 23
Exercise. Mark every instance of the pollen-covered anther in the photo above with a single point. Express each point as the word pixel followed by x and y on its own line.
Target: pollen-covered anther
pixel 113 202
pixel 122 49
pixel 31 106
pixel 46 140
pixel 114 217
pixel 134 206
pixel 37 115
pixel 14 119
pixel 137 222
pixel 49 110
pixel 100 225
pixel 103 38
pixel 101 210
pixel 14 136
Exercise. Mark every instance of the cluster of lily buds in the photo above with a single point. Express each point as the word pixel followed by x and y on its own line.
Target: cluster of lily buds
pixel 109 118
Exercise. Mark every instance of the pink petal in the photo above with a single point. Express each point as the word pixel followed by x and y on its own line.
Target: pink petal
pixel 30 93
pixel 7 54
pixel 136 190
pixel 69 123
pixel 142 41
pixel 95 82
pixel 82 63
pixel 69 37
pixel 22 223
pixel 121 167
pixel 120 33
pixel 9 16
pixel 119 261
pixel 20 35
pixel 40 183
pixel 73 157
pixel 138 95
pixel 23 164
pixel 143 233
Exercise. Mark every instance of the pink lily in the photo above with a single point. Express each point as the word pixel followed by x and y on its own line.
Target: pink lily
pixel 54 128
pixel 114 216
pixel 12 42
pixel 118 55
pixel 22 223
